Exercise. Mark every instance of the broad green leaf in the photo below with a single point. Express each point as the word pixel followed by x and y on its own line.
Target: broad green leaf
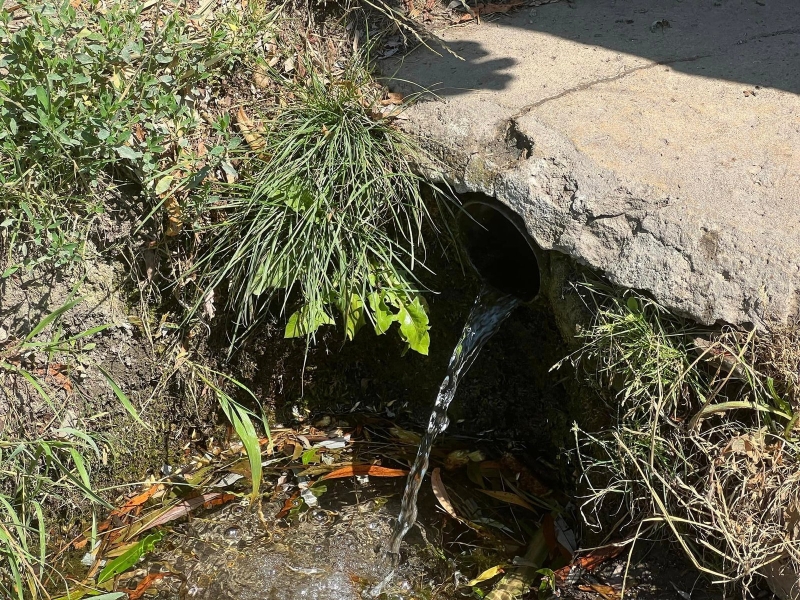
pixel 306 321
pixel 298 197
pixel 125 561
pixel 414 326
pixel 42 97
pixel 309 456
pixel 163 184
pixel 384 317
pixel 128 152
pixel 353 316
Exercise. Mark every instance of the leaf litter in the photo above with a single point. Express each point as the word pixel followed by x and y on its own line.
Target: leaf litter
pixel 321 517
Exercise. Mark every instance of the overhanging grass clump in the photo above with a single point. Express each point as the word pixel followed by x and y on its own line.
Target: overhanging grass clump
pixel 330 220
pixel 704 441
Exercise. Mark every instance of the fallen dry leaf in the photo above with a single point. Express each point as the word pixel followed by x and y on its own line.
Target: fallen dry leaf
pixel 509 497
pixel 606 591
pixel 441 494
pixel 172 205
pixel 184 507
pixel 487 574
pixel 144 585
pixel 249 131
pixel 392 98
pixel 208 305
pixel 56 372
pixel 288 505
pixel 261 78
pixel 595 558
pixel 527 481
pixel 590 561
pixel 174 216
pixel 488 9
pixel 373 470
pixel 138 131
pixel 551 538
pixel 136 501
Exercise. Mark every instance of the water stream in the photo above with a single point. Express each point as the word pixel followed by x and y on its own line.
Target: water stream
pixel 335 550
pixel 488 313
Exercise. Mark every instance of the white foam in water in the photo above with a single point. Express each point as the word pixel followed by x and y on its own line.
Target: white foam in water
pixel 488 313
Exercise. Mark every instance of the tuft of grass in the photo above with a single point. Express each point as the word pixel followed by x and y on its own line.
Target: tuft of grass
pixel 703 444
pixel 329 223
pixel 239 416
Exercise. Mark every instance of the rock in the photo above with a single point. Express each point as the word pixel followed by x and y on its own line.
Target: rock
pixel 669 159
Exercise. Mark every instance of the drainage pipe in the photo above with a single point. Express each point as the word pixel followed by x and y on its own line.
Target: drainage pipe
pixel 499 247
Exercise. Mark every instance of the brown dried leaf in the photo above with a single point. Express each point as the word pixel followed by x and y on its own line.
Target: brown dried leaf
pixel 144 585
pixel 509 497
pixel 184 507
pixel 248 128
pixel 261 78
pixel 606 591
pixel 393 98
pixel 441 494
pixel 174 216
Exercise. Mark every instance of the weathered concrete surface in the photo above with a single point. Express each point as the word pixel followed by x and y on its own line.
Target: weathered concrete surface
pixel 667 157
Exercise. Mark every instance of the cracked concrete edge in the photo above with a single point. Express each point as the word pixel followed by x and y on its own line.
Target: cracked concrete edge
pixel 634 235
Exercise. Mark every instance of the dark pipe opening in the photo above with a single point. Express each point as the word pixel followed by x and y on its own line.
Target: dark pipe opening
pixel 499 247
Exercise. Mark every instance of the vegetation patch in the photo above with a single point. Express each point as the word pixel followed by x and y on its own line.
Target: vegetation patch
pixel 48 448
pixel 704 443
pixel 328 208
pixel 246 166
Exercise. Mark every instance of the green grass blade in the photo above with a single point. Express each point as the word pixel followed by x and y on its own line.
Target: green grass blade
pixel 123 399
pixel 43 324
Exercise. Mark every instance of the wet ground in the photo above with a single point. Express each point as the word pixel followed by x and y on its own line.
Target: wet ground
pixel 333 551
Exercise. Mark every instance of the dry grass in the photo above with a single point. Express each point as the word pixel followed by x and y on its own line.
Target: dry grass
pixel 704 442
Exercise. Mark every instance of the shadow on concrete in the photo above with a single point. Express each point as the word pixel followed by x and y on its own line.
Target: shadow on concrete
pixel 753 42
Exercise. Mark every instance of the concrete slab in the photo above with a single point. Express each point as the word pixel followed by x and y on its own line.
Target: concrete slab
pixel 655 140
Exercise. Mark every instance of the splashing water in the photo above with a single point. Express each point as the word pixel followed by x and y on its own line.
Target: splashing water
pixel 488 313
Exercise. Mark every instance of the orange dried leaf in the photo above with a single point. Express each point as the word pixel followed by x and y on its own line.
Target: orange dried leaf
pixel 134 502
pixel 80 543
pixel 595 558
pixel 174 216
pixel 288 505
pixel 144 585
pixel 373 470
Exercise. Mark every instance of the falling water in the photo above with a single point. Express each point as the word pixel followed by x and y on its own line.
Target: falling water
pixel 488 313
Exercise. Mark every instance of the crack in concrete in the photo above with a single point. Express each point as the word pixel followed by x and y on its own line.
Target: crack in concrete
pixel 589 84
